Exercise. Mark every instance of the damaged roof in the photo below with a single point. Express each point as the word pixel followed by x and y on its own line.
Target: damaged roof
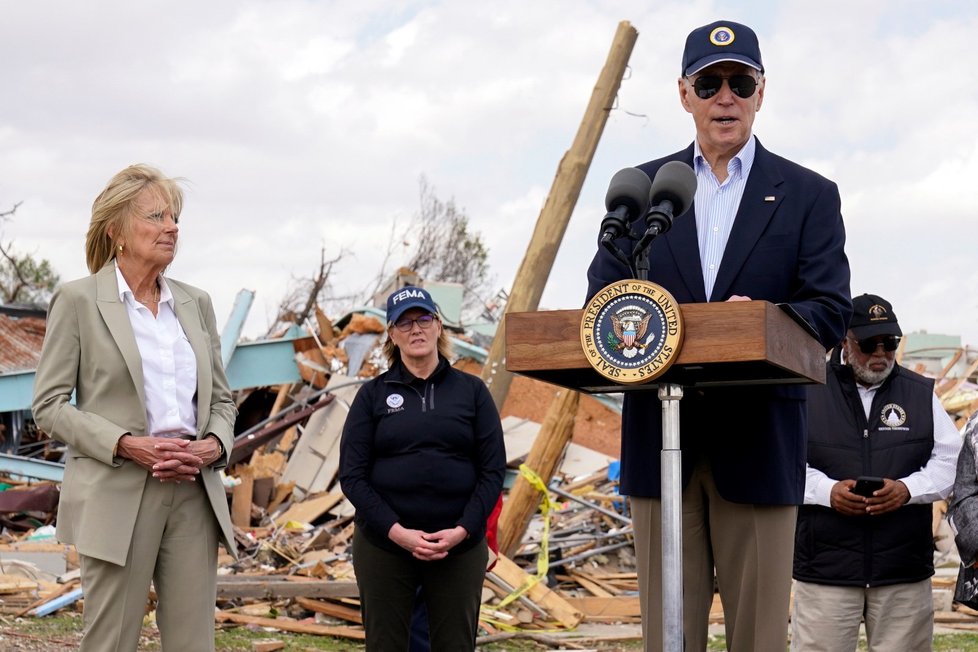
pixel 21 332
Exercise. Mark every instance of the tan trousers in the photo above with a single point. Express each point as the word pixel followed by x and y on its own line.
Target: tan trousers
pixel 749 546
pixel 898 617
pixel 175 545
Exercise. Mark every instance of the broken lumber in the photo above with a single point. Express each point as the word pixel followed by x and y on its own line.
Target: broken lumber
pixel 287 625
pixel 241 498
pixel 310 509
pixel 330 609
pixel 607 608
pixel 549 600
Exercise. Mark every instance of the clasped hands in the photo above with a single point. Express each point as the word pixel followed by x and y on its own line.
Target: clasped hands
pixel 170 459
pixel 891 497
pixel 427 546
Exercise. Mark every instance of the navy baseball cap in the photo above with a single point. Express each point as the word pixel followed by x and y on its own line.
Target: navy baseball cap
pixel 406 298
pixel 872 316
pixel 723 40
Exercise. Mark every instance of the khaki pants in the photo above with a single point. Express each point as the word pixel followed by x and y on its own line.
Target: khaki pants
pixel 174 544
pixel 750 547
pixel 898 617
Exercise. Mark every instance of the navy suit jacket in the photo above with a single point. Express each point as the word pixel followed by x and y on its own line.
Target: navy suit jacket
pixel 786 246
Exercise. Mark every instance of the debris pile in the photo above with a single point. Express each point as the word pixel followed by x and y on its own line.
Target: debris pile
pixel 567 553
pixel 293 525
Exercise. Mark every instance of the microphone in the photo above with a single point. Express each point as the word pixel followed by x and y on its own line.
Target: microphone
pixel 627 199
pixel 671 195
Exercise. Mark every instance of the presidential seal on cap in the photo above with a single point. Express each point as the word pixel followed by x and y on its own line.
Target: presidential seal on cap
pixel 723 40
pixel 631 331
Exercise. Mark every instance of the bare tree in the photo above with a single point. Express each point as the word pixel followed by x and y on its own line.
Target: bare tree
pixel 305 293
pixel 438 245
pixel 23 278
pixel 445 248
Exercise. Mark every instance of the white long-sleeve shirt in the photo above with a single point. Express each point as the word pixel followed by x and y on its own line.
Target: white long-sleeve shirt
pixel 169 365
pixel 932 482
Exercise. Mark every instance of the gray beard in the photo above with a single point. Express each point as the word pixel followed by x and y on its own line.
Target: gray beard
pixel 867 376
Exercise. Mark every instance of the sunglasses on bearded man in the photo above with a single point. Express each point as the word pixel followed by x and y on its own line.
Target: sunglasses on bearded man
pixel 869 345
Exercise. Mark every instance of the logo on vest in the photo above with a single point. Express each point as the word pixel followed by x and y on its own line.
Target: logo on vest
pixel 893 415
pixel 395 402
pixel 631 331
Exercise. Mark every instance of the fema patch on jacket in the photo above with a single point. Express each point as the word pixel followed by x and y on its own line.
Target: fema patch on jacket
pixel 395 403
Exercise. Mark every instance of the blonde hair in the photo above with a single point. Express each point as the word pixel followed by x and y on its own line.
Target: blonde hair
pixel 114 208
pixel 444 345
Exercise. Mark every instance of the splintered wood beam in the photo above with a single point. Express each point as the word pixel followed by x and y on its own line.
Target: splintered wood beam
pixel 532 275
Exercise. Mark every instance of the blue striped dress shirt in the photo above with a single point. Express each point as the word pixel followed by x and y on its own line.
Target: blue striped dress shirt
pixel 716 207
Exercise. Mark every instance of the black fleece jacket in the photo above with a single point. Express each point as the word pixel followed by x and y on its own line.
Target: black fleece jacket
pixel 425 453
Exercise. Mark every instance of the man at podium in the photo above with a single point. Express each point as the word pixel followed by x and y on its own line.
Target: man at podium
pixel 760 228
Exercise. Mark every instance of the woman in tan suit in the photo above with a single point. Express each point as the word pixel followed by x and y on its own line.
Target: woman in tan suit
pixel 150 427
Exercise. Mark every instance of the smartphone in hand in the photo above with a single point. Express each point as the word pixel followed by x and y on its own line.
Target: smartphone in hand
pixel 866 485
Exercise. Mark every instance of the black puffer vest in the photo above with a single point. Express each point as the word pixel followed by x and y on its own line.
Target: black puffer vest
pixel 894 442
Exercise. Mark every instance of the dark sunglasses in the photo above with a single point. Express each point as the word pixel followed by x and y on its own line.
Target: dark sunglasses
pixel 868 346
pixel 707 86
pixel 424 322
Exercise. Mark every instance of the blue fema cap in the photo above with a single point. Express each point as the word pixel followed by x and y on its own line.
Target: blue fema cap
pixel 406 298
pixel 721 41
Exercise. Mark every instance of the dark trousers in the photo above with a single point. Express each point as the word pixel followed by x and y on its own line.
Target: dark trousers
pixel 389 582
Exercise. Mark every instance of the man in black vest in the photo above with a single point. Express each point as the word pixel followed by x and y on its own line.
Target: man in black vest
pixel 864 549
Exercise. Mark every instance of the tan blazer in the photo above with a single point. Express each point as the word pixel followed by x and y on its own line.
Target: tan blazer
pixel 90 349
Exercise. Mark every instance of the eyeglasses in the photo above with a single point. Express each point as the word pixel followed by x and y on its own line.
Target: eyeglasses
pixel 424 322
pixel 707 86
pixel 868 346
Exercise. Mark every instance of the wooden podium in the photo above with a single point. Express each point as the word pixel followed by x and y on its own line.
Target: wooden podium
pixel 728 343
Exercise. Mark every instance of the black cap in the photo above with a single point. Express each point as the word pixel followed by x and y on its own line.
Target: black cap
pixel 872 316
pixel 723 40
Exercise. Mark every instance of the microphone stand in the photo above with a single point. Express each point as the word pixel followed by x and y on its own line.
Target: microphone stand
pixel 613 226
pixel 670 462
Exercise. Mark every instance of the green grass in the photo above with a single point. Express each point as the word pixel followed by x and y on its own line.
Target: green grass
pixel 239 639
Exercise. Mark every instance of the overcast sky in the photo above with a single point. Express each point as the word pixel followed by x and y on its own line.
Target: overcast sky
pixel 303 123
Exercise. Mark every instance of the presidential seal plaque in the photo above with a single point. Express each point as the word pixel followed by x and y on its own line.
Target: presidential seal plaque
pixel 631 331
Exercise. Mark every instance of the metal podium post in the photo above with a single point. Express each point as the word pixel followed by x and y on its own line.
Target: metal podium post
pixel 672 519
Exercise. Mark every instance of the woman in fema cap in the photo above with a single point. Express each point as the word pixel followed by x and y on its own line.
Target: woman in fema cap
pixel 422 460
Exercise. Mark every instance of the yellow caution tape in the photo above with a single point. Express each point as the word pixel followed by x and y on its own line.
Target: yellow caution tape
pixel 543 559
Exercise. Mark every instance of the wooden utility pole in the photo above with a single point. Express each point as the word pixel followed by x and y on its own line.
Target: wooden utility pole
pixel 555 434
pixel 552 223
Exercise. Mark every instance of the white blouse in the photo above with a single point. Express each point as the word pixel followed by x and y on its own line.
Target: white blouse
pixel 169 365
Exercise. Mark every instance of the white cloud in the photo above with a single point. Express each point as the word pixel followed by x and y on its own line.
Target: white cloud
pixel 303 124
